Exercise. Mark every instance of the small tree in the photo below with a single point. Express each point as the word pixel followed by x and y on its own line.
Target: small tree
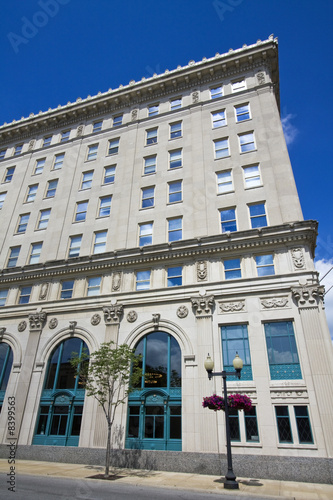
pixel 111 374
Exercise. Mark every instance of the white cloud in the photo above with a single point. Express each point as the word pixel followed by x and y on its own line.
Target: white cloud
pixel 289 130
pixel 323 266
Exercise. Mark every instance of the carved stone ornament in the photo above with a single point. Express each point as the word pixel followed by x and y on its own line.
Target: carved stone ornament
pixel 298 258
pixel 31 145
pixel 53 323
pixel 134 115
pixel 116 281
pixel 182 312
pixel 201 270
pixel 226 307
pixel 132 316
pixel 292 394
pixel 274 302
pixel 95 320
pixel 43 291
pixel 261 77
pixel 156 319
pixel 308 295
pixel 37 320
pixel 2 332
pixel 72 326
pixel 203 306
pixel 79 131
pixel 22 326
pixel 113 314
pixel 195 97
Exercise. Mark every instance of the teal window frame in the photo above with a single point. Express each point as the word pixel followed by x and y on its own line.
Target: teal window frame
pixel 235 338
pixel 303 424
pixel 280 338
pixel 283 424
pixel 6 363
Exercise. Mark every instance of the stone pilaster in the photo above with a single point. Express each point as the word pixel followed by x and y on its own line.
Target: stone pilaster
pixel 112 317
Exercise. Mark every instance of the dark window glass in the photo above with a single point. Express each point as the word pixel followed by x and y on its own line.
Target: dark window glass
pixel 251 426
pixel 175 422
pixel 234 425
pixel 303 424
pixel 283 424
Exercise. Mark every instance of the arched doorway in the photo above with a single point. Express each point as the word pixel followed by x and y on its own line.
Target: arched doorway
pixel 6 361
pixel 61 404
pixel 154 408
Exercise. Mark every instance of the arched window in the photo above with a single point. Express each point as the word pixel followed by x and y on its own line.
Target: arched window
pixel 6 361
pixel 154 408
pixel 62 399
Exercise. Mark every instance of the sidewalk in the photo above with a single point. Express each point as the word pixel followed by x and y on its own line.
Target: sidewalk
pixel 213 484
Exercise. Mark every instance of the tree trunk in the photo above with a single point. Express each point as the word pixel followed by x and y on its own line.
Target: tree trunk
pixel 107 457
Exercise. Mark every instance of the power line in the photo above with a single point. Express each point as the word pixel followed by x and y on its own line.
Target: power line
pixel 326 274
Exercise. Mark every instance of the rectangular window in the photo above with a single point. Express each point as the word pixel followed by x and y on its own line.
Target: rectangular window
pixel 35 252
pixel 92 152
pixel 232 269
pixel 81 211
pixel 258 215
pixel 67 288
pixel 145 234
pixel 251 425
pixel 39 166
pixel 47 141
pixel 234 425
pixel 44 217
pixel 58 161
pixel 51 188
pixel 25 293
pixel 13 256
pixel 143 280
pixel 283 424
pixel 246 142
pixel 176 103
pixel 175 231
pixel 18 149
pixel 97 127
pixel 9 174
pixel 74 246
pixel 87 179
pixel 175 192
pixel 218 119
pixel 3 297
pixel 113 146
pixel 238 85
pixel 175 158
pixel 100 242
pixel 151 136
pixel 282 351
pixel 303 425
pixel 94 286
pixel 224 182
pixel 235 339
pixel 147 197
pixel 104 206
pixel 3 153
pixel 221 148
pixel 2 199
pixel 265 265
pixel 32 190
pixel 228 220
pixel 118 120
pixel 149 165
pixel 23 222
pixel 175 130
pixel 252 176
pixel 153 110
pixel 65 136
pixel 175 276
pixel 242 112
pixel 216 92
pixel 109 174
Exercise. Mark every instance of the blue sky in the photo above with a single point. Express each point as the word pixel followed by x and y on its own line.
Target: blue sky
pixel 54 51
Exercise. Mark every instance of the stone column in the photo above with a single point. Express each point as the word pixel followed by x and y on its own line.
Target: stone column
pixel 36 323
pixel 112 318
pixel 319 349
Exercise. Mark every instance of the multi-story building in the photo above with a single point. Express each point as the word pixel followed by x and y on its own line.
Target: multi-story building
pixel 164 214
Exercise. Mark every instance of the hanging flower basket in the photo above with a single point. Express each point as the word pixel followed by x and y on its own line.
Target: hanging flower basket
pixel 235 401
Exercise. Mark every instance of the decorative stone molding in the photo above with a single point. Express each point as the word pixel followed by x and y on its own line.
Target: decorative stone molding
pixel 72 325
pixel 261 78
pixel 31 145
pixel 134 115
pixel 297 256
pixel 201 270
pixel 43 291
pixel 203 306
pixel 22 326
pixel 116 281
pixel 182 312
pixel 53 323
pixel 195 97
pixel 132 316
pixel 227 307
pixel 156 320
pixel 274 302
pixel 291 394
pixel 79 131
pixel 113 314
pixel 2 332
pixel 37 320
pixel 308 295
pixel 95 320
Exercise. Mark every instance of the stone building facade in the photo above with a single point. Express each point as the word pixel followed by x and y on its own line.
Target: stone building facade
pixel 164 214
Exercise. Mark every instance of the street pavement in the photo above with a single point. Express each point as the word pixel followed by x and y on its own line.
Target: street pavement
pixel 148 480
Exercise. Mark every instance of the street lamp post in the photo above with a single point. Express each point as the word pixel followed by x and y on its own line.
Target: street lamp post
pixel 230 478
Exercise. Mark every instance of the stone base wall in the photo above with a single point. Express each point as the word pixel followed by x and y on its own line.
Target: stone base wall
pixel 303 469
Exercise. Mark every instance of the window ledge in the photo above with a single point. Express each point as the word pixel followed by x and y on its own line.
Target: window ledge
pixel 175 138
pixel 146 208
pixel 242 121
pixel 226 192
pixel 222 158
pixel 291 446
pixel 247 444
pixel 245 152
pixel 174 202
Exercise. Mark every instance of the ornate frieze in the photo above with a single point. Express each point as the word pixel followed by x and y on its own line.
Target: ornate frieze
pixel 297 256
pixel 308 295
pixel 53 323
pixel 37 320
pixel 203 306
pixel 230 307
pixel 182 312
pixel 116 281
pixel 132 316
pixel 113 314
pixel 201 270
pixel 274 302
pixel 289 394
pixel 95 319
